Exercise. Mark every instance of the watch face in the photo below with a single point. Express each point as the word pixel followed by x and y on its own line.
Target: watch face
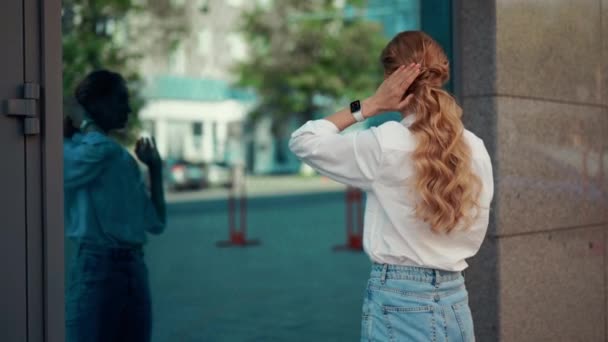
pixel 355 106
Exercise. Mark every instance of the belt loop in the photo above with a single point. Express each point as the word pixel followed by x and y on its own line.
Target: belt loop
pixel 383 275
pixel 437 278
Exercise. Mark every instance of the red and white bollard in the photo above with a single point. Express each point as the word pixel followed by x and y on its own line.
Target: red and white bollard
pixel 354 221
pixel 237 206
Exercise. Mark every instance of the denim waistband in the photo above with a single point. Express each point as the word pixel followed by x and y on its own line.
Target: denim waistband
pixel 421 274
pixel 114 252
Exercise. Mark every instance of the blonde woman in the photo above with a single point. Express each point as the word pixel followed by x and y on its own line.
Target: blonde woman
pixel 429 185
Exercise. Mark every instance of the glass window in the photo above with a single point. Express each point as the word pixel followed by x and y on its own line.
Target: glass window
pixel 254 241
pixel 215 141
pixel 197 129
pixel 205 42
pixel 238 48
pixel 178 61
pixel 197 134
pixel 235 3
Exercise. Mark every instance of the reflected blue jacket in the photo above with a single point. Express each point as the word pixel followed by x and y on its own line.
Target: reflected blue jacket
pixel 106 202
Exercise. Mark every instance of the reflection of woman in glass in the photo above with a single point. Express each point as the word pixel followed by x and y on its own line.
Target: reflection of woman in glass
pixel 429 185
pixel 107 213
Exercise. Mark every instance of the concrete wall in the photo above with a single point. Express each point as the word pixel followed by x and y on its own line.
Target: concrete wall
pixel 532 77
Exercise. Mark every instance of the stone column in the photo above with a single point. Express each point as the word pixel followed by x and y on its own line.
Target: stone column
pixel 532 77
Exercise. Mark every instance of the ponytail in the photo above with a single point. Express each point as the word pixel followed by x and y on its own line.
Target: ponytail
pixel 444 180
pixel 447 186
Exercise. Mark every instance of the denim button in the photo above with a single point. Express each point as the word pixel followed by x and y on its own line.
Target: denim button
pixel 436 298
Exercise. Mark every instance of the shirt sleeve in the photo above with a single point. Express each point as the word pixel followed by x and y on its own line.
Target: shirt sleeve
pixel 352 159
pixel 151 222
pixel 487 177
pixel 83 162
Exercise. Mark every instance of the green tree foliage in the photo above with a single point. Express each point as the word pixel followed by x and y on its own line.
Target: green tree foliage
pixel 307 55
pixel 106 34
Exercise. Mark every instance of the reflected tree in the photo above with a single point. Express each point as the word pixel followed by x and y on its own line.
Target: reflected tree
pixel 110 34
pixel 306 56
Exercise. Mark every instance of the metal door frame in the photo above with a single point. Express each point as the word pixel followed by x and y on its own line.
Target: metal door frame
pixel 52 169
pixel 39 260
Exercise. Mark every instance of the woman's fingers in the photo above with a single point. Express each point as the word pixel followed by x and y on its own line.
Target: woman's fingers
pixel 409 75
pixel 403 77
pixel 394 86
pixel 143 145
pixel 406 102
pixel 147 145
pixel 397 77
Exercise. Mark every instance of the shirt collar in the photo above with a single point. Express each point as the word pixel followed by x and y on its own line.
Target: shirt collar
pixel 92 138
pixel 409 119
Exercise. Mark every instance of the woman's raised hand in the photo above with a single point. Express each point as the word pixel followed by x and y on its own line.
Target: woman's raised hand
pixel 146 152
pixel 389 96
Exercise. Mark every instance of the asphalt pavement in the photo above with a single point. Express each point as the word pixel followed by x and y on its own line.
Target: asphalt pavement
pixel 292 287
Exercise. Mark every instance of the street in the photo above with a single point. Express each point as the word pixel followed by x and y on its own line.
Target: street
pixel 262 186
pixel 292 287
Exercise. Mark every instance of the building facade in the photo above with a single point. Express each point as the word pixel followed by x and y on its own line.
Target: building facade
pixel 532 77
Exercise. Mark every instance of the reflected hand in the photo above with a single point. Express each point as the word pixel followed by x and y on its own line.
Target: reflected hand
pixel 146 152
pixel 389 96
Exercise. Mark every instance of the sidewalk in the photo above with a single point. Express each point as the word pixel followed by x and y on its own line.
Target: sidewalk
pixel 264 186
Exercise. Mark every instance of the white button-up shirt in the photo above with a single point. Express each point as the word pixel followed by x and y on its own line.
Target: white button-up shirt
pixel 379 161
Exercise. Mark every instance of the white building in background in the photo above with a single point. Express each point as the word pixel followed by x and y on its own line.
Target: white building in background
pixel 190 104
pixel 196 131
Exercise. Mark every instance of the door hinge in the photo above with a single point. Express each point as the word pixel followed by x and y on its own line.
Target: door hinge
pixel 26 108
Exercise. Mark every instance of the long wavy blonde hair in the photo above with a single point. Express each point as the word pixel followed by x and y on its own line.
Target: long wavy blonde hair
pixel 448 189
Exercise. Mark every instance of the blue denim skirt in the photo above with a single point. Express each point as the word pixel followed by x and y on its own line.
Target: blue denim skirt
pixel 404 304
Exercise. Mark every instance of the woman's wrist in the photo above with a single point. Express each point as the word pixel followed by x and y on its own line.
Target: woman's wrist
pixel 370 108
pixel 155 168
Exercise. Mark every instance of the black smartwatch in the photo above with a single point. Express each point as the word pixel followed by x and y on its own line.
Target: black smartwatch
pixel 355 109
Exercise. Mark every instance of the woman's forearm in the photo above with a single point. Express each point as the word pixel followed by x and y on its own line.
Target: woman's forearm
pixel 388 97
pixel 344 118
pixel 157 193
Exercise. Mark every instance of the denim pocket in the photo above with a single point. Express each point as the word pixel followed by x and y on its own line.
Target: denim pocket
pixel 410 323
pixel 465 320
pixel 406 309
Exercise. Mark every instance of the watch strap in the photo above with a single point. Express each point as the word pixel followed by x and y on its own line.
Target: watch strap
pixel 359 116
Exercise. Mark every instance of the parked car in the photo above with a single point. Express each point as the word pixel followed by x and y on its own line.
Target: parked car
pixel 218 174
pixel 184 175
